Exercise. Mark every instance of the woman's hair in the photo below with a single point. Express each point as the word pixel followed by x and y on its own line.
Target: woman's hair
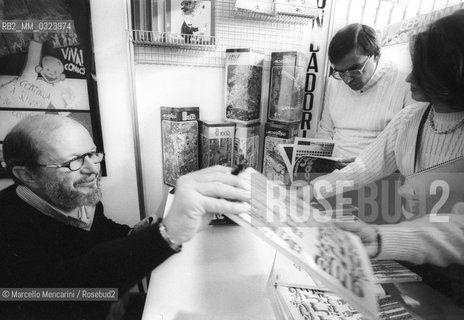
pixel 438 60
pixel 356 36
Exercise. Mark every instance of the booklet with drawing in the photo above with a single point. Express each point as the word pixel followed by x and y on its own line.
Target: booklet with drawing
pixel 334 257
pixel 308 158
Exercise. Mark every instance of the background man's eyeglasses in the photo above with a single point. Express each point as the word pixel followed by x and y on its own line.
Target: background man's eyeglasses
pixel 350 74
pixel 77 163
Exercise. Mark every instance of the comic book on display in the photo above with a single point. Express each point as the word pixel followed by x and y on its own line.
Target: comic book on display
pixel 243 82
pixel 216 143
pixel 287 86
pixel 190 21
pixel 246 145
pixel 179 138
pixel 308 158
pixel 274 167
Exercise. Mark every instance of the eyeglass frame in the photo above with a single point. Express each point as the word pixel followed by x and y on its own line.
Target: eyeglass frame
pixel 67 164
pixel 349 73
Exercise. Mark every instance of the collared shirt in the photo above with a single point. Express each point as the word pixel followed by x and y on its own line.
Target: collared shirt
pixel 80 217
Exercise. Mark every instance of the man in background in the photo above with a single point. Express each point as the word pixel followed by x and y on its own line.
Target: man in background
pixel 363 93
pixel 54 233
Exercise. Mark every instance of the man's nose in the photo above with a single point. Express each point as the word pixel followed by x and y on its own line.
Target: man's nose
pixel 89 166
pixel 347 79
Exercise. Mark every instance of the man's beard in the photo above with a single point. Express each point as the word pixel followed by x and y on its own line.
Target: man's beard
pixel 67 199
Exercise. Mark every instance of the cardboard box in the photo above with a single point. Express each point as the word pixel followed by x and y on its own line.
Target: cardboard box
pixel 216 143
pixel 246 146
pixel 287 86
pixel 243 82
pixel 274 167
pixel 179 137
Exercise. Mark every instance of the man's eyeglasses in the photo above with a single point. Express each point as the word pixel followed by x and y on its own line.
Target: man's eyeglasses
pixel 77 162
pixel 350 74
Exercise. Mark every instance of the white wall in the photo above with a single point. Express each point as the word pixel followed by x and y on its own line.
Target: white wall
pixel 173 86
pixel 111 58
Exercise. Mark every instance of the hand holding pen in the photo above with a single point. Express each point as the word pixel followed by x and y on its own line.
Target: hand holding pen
pixel 202 193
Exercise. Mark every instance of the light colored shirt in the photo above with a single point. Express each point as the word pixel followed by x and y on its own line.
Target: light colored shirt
pixel 353 119
pixel 81 217
pixel 417 240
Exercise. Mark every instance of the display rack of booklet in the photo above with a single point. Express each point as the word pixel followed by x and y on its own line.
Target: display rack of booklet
pixel 295 295
pixel 336 258
pixel 302 303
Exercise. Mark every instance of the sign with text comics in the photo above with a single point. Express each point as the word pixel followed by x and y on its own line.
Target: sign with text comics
pixel 47 64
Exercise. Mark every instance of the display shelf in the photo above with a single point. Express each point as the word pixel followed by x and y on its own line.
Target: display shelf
pixel 172 40
pixel 232 30
pixel 245 14
pixel 185 55
pixel 276 11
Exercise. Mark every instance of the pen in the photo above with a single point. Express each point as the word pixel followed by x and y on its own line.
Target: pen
pixel 239 168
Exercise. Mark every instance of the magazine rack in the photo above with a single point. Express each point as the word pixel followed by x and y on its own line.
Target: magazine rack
pixel 267 10
pixel 173 40
pixel 245 14
pixel 233 29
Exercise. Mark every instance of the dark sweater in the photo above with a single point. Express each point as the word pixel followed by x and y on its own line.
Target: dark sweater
pixel 37 251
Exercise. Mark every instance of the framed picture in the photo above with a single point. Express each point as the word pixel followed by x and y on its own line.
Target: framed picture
pixel 190 21
pixel 48 72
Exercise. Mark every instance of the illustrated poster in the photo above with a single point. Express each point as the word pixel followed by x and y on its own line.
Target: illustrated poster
pixel 46 64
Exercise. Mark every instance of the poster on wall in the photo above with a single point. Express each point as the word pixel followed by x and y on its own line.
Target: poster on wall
pixel 46 64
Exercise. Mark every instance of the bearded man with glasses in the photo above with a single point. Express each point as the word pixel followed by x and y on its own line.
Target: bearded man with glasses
pixel 363 93
pixel 54 232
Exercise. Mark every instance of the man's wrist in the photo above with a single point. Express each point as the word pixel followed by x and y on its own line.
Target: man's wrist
pixel 164 233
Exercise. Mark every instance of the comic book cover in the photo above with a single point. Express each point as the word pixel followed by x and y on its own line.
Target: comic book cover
pixel 216 143
pixel 246 146
pixel 179 137
pixel 312 158
pixel 243 82
pixel 189 21
pixel 274 167
pixel 286 86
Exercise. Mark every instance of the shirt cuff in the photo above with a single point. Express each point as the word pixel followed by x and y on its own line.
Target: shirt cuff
pixel 399 243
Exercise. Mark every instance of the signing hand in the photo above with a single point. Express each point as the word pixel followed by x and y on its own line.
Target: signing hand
pixel 199 195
